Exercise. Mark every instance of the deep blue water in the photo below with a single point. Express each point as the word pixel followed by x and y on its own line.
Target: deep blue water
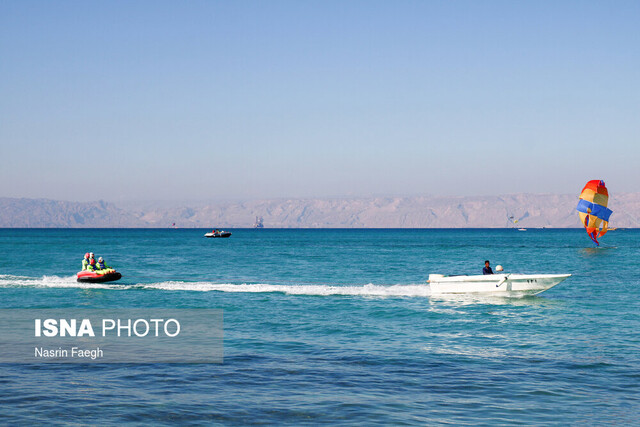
pixel 338 326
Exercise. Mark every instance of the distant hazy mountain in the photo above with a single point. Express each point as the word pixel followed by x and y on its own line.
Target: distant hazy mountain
pixel 53 213
pixel 525 210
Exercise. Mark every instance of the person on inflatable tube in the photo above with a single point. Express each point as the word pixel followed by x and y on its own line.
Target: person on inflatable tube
pixel 85 261
pixel 102 267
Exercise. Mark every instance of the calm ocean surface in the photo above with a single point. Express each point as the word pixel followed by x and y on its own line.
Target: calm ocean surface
pixel 338 326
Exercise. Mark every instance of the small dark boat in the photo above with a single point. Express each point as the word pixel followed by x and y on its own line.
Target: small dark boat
pixel 97 277
pixel 218 233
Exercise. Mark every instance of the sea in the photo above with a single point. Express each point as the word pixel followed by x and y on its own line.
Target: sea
pixel 338 326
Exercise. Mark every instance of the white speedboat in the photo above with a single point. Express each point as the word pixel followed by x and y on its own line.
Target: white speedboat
pixel 523 284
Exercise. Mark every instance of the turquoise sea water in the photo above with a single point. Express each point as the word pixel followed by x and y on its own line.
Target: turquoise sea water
pixel 338 326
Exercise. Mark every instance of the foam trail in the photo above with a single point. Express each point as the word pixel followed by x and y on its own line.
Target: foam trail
pixel 414 290
pixel 49 282
pixel 321 290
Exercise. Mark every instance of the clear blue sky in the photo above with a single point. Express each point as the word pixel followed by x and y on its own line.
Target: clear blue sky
pixel 154 100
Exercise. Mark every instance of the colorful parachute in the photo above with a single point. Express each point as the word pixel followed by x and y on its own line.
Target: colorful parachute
pixel 592 209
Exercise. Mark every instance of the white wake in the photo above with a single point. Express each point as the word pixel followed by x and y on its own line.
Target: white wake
pixel 411 290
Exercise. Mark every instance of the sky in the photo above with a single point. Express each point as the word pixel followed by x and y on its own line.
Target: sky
pixel 203 100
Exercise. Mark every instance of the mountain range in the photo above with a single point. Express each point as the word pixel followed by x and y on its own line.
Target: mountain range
pixel 516 210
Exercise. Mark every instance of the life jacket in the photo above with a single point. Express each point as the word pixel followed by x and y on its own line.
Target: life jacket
pixel 101 265
pixel 85 263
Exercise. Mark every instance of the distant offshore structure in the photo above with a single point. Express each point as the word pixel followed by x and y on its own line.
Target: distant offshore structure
pixel 259 222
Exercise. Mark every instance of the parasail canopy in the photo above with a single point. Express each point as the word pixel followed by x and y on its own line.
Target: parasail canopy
pixel 592 209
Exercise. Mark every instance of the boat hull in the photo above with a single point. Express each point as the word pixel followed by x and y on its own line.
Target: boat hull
pixel 93 277
pixel 522 284
pixel 221 235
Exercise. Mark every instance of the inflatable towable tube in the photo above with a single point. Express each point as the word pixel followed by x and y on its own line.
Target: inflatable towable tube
pixel 99 276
